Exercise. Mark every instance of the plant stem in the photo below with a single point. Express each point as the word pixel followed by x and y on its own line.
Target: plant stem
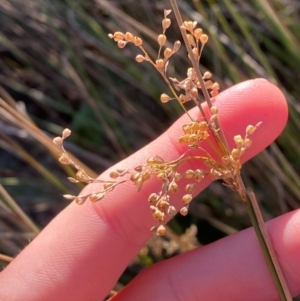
pixel 265 242
pixel 220 137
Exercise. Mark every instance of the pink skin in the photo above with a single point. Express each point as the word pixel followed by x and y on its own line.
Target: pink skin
pixel 83 251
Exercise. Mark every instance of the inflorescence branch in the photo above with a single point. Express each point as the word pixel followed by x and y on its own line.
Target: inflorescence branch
pixel 224 164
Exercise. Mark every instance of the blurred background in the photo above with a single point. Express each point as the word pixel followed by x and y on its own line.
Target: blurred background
pixel 59 69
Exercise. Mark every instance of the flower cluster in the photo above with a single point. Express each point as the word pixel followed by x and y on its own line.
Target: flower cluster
pixel 224 164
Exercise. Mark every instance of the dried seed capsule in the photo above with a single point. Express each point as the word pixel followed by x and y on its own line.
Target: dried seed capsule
pixel 160 64
pixel 117 36
pixel 187 198
pixel 113 174
pixel 216 86
pixel 161 39
pixel 190 187
pixel 168 52
pixel 166 23
pixel 206 75
pixel 172 210
pixel 122 44
pixel 64 159
pixel 250 129
pixel 184 211
pixel 153 198
pixel 66 133
pixel 161 230
pixel 129 37
pixel 235 153
pixel 137 41
pixel 58 141
pixel 198 33
pixel 174 187
pixel 189 174
pixel 164 98
pixel 214 110
pixel 176 47
pixel 139 58
pixel 204 38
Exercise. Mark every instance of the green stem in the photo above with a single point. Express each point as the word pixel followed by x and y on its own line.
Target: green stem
pixel 266 246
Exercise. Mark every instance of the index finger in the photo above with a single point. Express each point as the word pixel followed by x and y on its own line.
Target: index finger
pixel 82 252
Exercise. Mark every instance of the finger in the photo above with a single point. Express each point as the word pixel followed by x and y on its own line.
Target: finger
pixel 82 252
pixel 230 269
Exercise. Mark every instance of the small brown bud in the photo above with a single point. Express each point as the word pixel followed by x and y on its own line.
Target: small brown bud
pixel 184 211
pixel 137 41
pixel 214 93
pixel 187 198
pixel 250 129
pixel 190 187
pixel 113 174
pixel 117 36
pixel 198 33
pixel 214 110
pixel 194 92
pixel 168 52
pixel 189 174
pixel 247 142
pixel 164 98
pixel 139 58
pixel 215 86
pixel 58 141
pixel 174 187
pixel 122 44
pixel 166 23
pixel 172 210
pixel 69 197
pixel 238 141
pixel 95 197
pixel 204 38
pixel 161 230
pixel 64 159
pixel 207 75
pixel 160 64
pixel 80 200
pixel 66 133
pixel 176 47
pixel 235 153
pixel 161 39
pixel 226 160
pixel 129 37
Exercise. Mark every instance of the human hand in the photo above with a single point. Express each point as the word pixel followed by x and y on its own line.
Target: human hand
pixel 83 251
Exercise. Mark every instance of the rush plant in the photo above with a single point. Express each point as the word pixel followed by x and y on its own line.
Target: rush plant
pixel 218 162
